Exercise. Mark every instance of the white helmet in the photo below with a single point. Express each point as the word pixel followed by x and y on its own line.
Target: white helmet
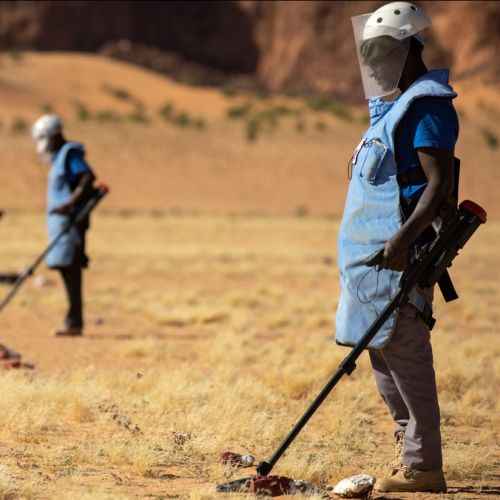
pixel 383 41
pixel 399 20
pixel 46 126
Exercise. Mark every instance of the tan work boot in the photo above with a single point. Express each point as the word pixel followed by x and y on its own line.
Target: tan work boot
pixel 411 480
pixel 68 331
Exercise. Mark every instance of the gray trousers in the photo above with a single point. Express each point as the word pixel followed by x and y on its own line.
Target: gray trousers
pixel 405 378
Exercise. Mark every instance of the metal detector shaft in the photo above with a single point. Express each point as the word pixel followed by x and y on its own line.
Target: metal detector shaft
pixel 347 366
pixel 424 271
pixel 101 191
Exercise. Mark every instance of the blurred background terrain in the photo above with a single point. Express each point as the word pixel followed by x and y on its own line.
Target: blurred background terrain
pixel 265 96
pixel 280 46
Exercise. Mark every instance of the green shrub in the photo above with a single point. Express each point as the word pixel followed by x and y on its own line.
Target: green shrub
pixel 19 125
pixel 138 115
pixel 271 115
pixel 282 110
pixel 300 126
pixel 318 102
pixel 182 119
pixel 252 129
pixel 340 110
pixel 321 126
pixel 16 55
pixel 118 92
pixel 461 113
pixel 188 78
pixel 82 112
pixel 285 110
pixel 365 119
pixel 47 108
pixel 268 116
pixel 302 211
pixel 490 137
pixel 200 123
pixel 239 111
pixel 263 94
pixel 229 90
pixel 289 93
pixel 107 116
pixel 166 111
pixel 482 105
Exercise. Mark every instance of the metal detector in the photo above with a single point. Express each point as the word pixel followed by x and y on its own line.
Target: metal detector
pixel 424 270
pixel 99 192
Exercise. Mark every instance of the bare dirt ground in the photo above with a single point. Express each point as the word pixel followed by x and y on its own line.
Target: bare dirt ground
pixel 211 294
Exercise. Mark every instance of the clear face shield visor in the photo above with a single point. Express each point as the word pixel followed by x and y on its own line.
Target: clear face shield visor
pixel 381 56
pixel 42 146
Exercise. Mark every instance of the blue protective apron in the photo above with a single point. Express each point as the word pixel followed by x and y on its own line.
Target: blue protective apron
pixel 372 215
pixel 59 193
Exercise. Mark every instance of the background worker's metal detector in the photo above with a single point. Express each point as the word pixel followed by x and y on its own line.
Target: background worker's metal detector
pixel 8 277
pixel 98 194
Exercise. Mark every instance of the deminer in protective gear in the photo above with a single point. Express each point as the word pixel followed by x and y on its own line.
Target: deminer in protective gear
pixel 69 184
pixel 401 180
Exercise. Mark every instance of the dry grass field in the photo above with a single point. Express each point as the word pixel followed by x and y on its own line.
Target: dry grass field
pixel 211 295
pixel 207 333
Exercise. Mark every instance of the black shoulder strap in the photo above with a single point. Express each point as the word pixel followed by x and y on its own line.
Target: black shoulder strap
pixel 456 176
pixel 446 286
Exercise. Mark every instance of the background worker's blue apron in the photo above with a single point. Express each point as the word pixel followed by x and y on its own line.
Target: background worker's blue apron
pixel 59 193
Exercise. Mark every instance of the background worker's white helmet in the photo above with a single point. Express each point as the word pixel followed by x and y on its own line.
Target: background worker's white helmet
pixel 382 42
pixel 46 126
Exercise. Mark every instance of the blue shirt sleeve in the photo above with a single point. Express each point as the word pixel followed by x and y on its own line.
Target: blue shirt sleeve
pixel 429 122
pixel 76 166
pixel 436 124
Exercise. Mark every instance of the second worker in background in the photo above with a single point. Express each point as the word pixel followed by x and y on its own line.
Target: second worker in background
pixel 69 184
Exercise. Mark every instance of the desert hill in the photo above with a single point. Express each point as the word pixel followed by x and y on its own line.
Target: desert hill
pixel 170 147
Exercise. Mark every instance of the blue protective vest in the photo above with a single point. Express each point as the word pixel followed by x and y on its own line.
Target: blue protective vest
pixel 58 193
pixel 372 215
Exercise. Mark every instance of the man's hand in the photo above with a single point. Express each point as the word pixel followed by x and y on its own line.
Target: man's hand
pixel 395 255
pixel 63 209
pixel 76 196
pixel 438 167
